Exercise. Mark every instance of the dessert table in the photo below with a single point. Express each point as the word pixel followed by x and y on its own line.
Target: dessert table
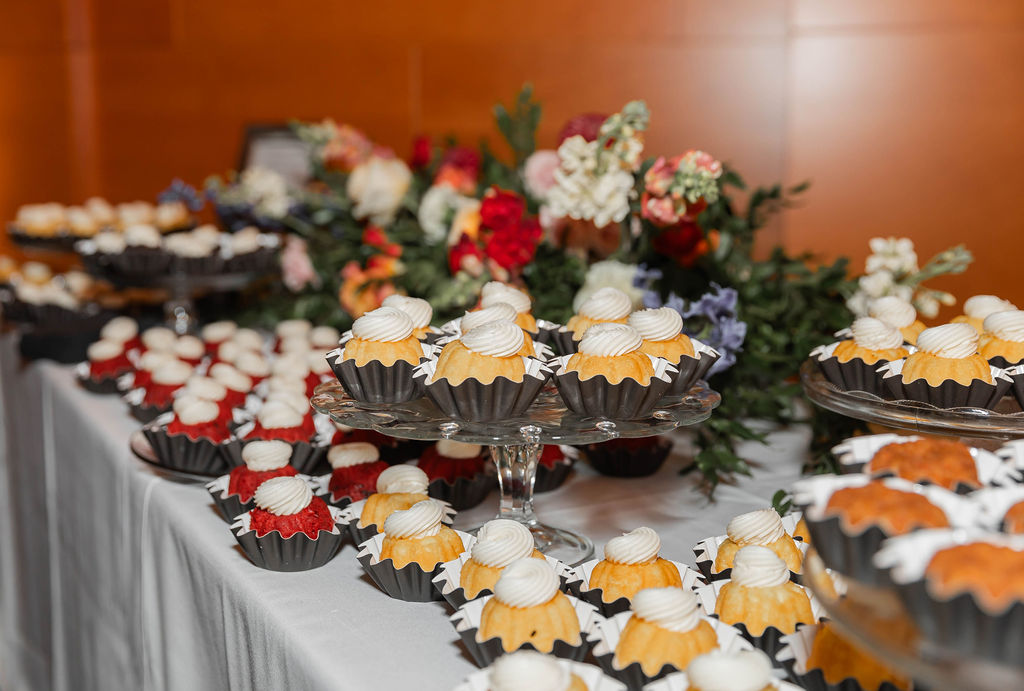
pixel 116 577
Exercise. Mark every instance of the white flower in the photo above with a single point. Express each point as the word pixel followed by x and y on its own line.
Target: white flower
pixel 580 193
pixel 266 190
pixel 377 186
pixel 876 284
pixel 859 304
pixel 926 304
pixel 892 254
pixel 609 273
pixel 903 292
pixel 437 203
pixel 539 173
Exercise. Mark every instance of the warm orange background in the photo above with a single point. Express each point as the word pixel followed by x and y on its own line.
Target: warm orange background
pixel 906 116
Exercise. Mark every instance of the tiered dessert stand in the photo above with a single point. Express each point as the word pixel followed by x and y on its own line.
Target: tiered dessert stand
pixel 874 616
pixel 516 443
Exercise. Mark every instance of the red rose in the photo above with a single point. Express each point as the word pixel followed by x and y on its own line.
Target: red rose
pixel 501 209
pixel 465 247
pixel 513 248
pixel 463 158
pixel 422 153
pixel 374 236
pixel 587 125
pixel 685 243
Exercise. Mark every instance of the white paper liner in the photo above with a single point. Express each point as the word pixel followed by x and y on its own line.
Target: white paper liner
pixel 855 456
pixel 994 502
pixel 411 583
pixel 447 579
pixel 909 555
pixel 706 551
pixel 948 394
pixel 1012 452
pixel 680 682
pixel 580 583
pixel 592 677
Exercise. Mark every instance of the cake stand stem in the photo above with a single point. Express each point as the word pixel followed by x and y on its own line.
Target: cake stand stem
pixel 517 470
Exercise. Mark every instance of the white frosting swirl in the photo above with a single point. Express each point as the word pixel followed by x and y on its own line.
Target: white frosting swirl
pixel 526 583
pixel 719 670
pixel 673 609
pixel 183 401
pixel 607 304
pixel 419 310
pixel 252 364
pixel 980 306
pixel 761 527
pixel 283 496
pixel 495 292
pixel 422 519
pixel 528 670
pixel 120 329
pixel 280 383
pixel 610 340
pixel 384 324
pixel 352 453
pixel 295 400
pixel 159 338
pixel 260 456
pixel 894 311
pixel 875 334
pixel 324 337
pixel 197 412
pixel 172 373
pixel 248 339
pixel 402 479
pixel 293 365
pixel 189 348
pixel 317 362
pixel 152 359
pixel 499 311
pixel 758 567
pixel 217 332
pixel 638 546
pixel 289 328
pixel 956 341
pixel 229 376
pixel 495 339
pixel 500 542
pixel 142 235
pixel 458 449
pixel 660 324
pixel 277 415
pixel 228 351
pixel 207 388
pixel 1007 326
pixel 104 349
pixel 109 242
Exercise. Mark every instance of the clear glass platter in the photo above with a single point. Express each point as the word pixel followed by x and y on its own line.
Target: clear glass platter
pixel 1006 422
pixel 875 619
pixel 516 443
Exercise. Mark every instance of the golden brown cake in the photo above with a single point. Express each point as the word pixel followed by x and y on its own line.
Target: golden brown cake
pixel 662 332
pixel 739 670
pixel 631 564
pixel 947 352
pixel 978 307
pixel 1003 336
pixel 613 352
pixel 1013 519
pixel 666 628
pixel 496 292
pixel 528 669
pixel 994 574
pixel 528 607
pixel 398 488
pixel 419 311
pixel 897 312
pixel 839 659
pixel 801 531
pixel 894 511
pixel 873 341
pixel 762 527
pixel 498 543
pixel 605 306
pixel 943 462
pixel 485 353
pixel 759 594
pixel 418 535
pixel 383 335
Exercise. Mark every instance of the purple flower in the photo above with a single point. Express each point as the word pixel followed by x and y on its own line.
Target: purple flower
pixel 712 318
pixel 181 191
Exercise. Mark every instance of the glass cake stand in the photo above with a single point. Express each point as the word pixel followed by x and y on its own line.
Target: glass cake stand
pixel 875 619
pixel 516 443
pixel 1006 422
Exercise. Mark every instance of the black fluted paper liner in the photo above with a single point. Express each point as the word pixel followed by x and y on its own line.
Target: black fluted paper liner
pixel 409 583
pixel 198 266
pixel 140 261
pixel 1016 375
pixel 475 402
pixel 814 680
pixel 307 458
pixel 597 397
pixel 632 675
pixel 1002 363
pixel 949 394
pixel 296 553
pixel 260 261
pixel 179 452
pixel 546 334
pixel 434 336
pixel 466 492
pixel 691 371
pixel 485 653
pixel 45 314
pixel 854 375
pixel 848 554
pixel 103 385
pixel 145 413
pixel 402 450
pixel 229 506
pixel 375 383
pixel 618 461
pixel 549 479
pixel 562 341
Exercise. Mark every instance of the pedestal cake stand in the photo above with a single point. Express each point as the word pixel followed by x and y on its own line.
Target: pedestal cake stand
pixel 516 443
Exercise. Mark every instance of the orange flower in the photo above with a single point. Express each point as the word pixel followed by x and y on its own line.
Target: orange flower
pixel 362 289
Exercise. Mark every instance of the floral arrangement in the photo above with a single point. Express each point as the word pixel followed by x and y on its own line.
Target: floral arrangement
pixel 563 222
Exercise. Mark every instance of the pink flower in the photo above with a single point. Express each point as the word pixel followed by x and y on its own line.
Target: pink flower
pixel 539 172
pixel 704 161
pixel 296 266
pixel 658 177
pixel 660 211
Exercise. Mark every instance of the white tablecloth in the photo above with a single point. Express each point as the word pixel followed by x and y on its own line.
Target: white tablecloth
pixel 116 578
